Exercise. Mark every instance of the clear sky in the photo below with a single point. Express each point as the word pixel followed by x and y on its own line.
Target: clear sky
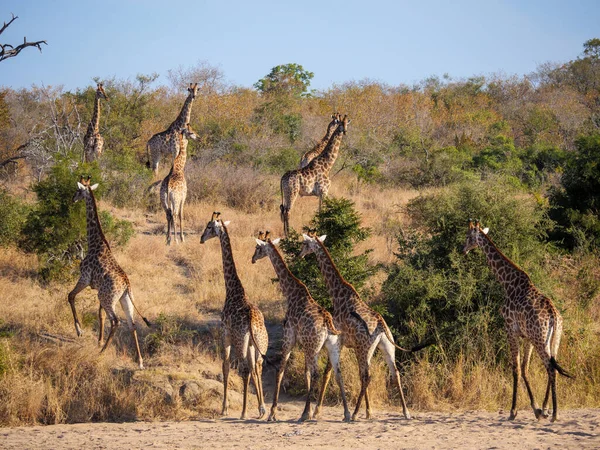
pixel 389 41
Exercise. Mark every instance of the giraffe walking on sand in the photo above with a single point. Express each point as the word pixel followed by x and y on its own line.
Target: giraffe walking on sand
pixel 93 142
pixel 363 329
pixel 100 270
pixel 306 323
pixel 242 323
pixel 528 315
pixel 320 146
pixel 312 180
pixel 161 144
pixel 173 189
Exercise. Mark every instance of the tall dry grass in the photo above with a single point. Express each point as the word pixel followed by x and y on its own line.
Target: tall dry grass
pixel 47 375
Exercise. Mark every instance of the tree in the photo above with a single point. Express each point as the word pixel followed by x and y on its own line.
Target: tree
pixel 287 79
pixel 10 51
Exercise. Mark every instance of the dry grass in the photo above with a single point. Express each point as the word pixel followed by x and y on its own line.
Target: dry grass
pixel 47 375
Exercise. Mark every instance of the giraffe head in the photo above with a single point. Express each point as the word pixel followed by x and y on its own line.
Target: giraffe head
pixel 310 244
pixel 193 89
pixel 83 188
pixel 336 118
pixel 262 246
pixel 100 92
pixel 214 227
pixel 344 122
pixel 189 133
pixel 475 236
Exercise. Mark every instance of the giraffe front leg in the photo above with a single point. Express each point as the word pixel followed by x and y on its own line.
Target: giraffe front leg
pixel 226 359
pixel 100 325
pixel 311 375
pixel 80 286
pixel 513 342
pixel 324 384
pixel 246 381
pixel 389 353
pixel 334 351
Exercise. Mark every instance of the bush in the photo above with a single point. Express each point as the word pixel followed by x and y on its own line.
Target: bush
pixel 12 218
pixel 55 228
pixel 341 223
pixel 434 289
pixel 575 205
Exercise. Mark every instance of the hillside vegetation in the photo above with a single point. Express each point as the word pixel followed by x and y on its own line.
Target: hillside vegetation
pixel 521 154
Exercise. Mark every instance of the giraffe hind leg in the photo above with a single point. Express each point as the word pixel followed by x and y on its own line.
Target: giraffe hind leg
pixel 528 348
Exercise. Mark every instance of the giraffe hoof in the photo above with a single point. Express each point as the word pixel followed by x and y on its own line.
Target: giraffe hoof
pixel 354 417
pixel 347 417
pixel 261 412
pixel 554 418
pixel 272 418
pixel 304 418
pixel 539 414
pixel 512 416
pixel 407 416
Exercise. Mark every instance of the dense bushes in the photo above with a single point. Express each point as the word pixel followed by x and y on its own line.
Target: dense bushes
pixel 434 289
pixel 12 218
pixel 55 227
pixel 340 221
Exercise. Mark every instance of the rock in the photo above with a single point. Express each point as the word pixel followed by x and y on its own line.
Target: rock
pixel 190 391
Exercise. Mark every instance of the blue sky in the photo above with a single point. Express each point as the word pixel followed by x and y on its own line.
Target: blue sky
pixel 389 41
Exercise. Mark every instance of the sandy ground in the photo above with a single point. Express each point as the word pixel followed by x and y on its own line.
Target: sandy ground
pixel 473 429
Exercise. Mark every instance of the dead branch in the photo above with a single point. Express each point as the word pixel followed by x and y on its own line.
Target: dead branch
pixel 10 51
pixel 11 160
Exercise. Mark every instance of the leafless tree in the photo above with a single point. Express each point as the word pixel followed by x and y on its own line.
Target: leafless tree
pixel 9 51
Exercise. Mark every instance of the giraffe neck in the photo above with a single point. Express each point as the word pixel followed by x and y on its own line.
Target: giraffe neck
pixel 180 159
pixel 507 273
pixel 186 113
pixel 330 154
pixel 288 282
pixel 323 143
pixel 95 237
pixel 94 126
pixel 334 281
pixel 232 281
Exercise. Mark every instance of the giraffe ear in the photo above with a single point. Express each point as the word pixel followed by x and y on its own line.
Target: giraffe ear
pixel 322 238
pixel 485 230
pixel 306 237
pixel 227 222
pixel 94 187
pixel 275 241
pixel 259 242
pixel 80 186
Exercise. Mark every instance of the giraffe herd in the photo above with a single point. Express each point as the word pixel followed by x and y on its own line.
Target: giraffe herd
pixel 528 314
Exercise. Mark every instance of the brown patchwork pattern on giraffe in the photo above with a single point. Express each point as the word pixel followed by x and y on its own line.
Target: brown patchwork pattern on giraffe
pixel 161 144
pixel 242 323
pixel 528 315
pixel 320 146
pixel 312 180
pixel 93 143
pixel 307 324
pixel 363 329
pixel 173 189
pixel 100 270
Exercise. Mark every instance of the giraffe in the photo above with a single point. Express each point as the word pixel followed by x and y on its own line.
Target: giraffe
pixel 363 329
pixel 160 144
pixel 92 141
pixel 528 314
pixel 173 189
pixel 312 180
pixel 100 270
pixel 318 149
pixel 242 323
pixel 306 323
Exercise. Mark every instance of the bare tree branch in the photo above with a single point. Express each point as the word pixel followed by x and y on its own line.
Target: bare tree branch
pixel 10 51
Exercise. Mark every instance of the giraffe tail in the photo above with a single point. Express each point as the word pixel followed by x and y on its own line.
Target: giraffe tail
pixel 329 322
pixel 388 334
pixel 148 163
pixel 146 321
pixel 559 369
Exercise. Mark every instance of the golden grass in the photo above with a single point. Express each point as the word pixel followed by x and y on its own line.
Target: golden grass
pixel 47 375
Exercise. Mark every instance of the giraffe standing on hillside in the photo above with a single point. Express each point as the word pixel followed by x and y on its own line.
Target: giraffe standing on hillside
pixel 362 329
pixel 92 141
pixel 320 146
pixel 306 323
pixel 173 189
pixel 242 323
pixel 100 270
pixel 528 314
pixel 161 144
pixel 312 180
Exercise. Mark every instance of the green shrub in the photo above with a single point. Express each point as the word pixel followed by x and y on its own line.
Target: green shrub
pixel 341 223
pixel 575 205
pixel 12 218
pixel 55 228
pixel 434 289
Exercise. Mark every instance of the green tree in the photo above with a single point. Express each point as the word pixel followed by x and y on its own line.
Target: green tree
pixel 55 228
pixel 286 79
pixel 340 221
pixel 575 205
